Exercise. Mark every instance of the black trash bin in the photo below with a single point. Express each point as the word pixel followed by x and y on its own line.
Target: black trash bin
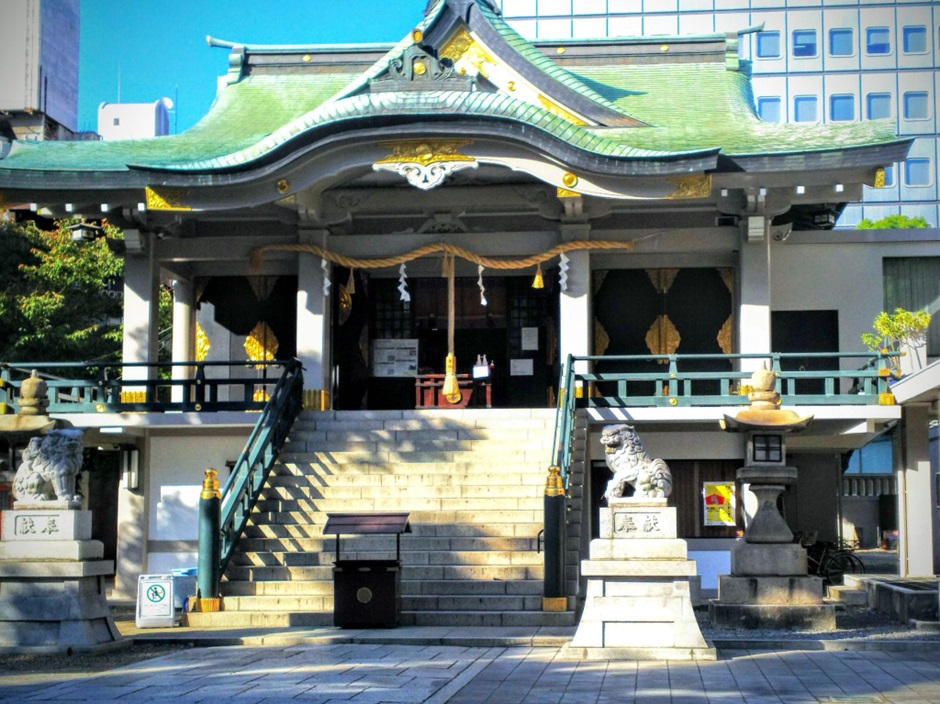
pixel 367 593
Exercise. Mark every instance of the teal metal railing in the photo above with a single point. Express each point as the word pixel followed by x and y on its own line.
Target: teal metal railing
pixel 98 387
pixel 256 461
pixel 679 380
pixel 275 389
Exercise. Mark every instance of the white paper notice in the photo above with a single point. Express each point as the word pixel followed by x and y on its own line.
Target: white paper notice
pixel 520 367
pixel 530 339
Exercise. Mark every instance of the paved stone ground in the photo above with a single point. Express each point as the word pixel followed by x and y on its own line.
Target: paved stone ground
pixel 436 674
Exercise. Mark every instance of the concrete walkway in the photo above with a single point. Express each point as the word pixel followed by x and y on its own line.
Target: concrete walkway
pixel 435 674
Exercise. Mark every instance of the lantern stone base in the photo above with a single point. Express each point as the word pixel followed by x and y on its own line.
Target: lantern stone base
pixel 52 591
pixel 638 604
pixel 769 588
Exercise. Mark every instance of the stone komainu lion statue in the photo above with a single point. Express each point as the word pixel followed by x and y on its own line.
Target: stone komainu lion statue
pixel 49 467
pixel 630 464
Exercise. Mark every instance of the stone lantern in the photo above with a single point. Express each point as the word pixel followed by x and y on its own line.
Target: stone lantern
pixel 768 586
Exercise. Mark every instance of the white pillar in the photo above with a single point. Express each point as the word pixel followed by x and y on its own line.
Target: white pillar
pixel 313 315
pixel 754 312
pixel 575 320
pixel 141 311
pixel 184 328
pixel 915 495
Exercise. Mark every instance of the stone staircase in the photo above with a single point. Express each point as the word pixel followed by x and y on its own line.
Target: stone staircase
pixel 473 483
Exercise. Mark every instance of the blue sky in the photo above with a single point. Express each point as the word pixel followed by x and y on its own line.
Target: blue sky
pixel 158 47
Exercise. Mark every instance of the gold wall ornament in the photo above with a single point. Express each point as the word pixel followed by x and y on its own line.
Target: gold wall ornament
pixel 879 178
pixel 569 179
pixel 166 199
pixel 345 304
pixel 601 338
pixel 462 45
pixel 557 110
pixel 663 337
pixel 727 276
pixel 726 336
pixel 282 186
pixel 662 279
pixel 202 344
pixel 425 164
pixel 565 193
pixel 692 186
pixel 261 395
pixel 261 344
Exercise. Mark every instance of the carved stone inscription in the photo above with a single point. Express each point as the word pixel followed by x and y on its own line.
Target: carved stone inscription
pixel 629 524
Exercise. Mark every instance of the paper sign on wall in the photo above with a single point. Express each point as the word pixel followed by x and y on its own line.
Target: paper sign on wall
pixel 719 501
pixel 394 358
pixel 530 339
pixel 521 367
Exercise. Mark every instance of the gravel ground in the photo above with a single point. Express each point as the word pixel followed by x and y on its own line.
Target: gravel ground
pixel 853 622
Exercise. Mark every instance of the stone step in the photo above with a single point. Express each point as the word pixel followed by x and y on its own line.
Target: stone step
pixel 281 573
pixel 409 557
pixel 429 457
pixel 537 435
pixel 280 603
pixel 314 529
pixel 462 467
pixel 418 491
pixel 402 502
pixel 483 517
pixel 409 543
pixel 533 619
pixel 419 441
pixel 412 587
pixel 846 596
pixel 258 619
pixel 470 603
pixel 534 478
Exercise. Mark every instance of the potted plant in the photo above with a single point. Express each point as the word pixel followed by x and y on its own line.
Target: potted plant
pixel 903 331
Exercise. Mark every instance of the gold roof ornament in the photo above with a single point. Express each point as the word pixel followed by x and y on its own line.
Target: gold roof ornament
pixel 425 164
pixel 764 412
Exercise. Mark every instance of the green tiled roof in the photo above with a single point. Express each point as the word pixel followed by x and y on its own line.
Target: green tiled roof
pixel 701 105
pixel 691 108
pixel 543 63
pixel 242 115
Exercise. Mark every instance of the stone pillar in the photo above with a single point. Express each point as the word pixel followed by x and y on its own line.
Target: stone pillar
pixel 313 321
pixel 754 314
pixel 141 311
pixel 184 330
pixel 916 499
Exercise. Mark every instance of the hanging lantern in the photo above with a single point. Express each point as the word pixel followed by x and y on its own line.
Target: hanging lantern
pixel 483 300
pixel 405 297
pixel 325 266
pixel 539 280
pixel 563 272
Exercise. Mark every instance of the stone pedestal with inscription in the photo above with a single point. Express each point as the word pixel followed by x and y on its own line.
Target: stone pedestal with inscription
pixel 52 595
pixel 638 603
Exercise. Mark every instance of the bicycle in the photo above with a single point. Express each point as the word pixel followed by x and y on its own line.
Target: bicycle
pixel 828 560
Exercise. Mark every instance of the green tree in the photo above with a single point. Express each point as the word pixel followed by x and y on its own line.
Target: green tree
pixel 893 222
pixel 61 299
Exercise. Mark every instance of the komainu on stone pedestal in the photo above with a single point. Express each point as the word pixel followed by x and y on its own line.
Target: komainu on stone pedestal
pixel 49 467
pixel 631 464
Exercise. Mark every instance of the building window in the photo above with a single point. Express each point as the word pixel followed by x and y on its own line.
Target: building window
pixel 841 41
pixel 889 176
pixel 878 105
pixel 768 45
pixel 804 42
pixel 117 121
pixel 878 40
pixel 911 283
pixel 769 109
pixel 914 40
pixel 917 172
pixel 842 108
pixel 916 106
pixel 804 108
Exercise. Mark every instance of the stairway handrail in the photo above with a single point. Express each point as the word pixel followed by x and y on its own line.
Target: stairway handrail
pixel 564 421
pixel 257 459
